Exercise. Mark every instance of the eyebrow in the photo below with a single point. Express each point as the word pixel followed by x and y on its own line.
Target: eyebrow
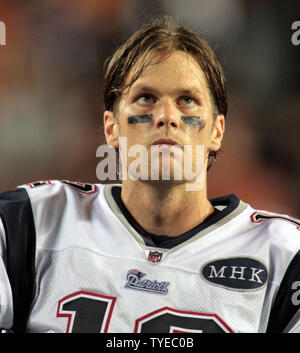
pixel 179 91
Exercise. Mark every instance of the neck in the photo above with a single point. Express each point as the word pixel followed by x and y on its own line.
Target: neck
pixel 163 208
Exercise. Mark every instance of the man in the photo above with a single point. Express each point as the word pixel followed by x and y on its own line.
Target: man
pixel 150 255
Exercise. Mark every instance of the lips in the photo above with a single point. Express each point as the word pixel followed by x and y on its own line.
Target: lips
pixel 166 142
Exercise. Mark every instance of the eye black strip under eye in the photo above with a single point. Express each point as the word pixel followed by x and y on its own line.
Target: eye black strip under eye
pixel 193 121
pixel 137 119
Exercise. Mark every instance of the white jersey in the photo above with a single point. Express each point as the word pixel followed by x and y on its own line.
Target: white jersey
pixel 91 270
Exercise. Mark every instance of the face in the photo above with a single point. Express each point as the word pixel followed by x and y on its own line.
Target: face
pixel 168 104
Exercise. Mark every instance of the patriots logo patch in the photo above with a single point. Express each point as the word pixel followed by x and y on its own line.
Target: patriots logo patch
pixel 135 281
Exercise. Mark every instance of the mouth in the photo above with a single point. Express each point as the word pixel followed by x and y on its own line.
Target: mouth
pixel 167 142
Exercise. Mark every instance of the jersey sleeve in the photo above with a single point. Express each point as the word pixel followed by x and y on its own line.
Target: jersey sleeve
pixel 17 264
pixel 285 312
pixel 6 306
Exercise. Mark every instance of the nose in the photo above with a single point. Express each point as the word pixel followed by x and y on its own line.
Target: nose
pixel 167 115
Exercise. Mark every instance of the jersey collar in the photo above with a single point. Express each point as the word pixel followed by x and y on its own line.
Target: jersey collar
pixel 228 207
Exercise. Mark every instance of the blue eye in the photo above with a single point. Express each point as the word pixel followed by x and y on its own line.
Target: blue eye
pixel 146 99
pixel 186 100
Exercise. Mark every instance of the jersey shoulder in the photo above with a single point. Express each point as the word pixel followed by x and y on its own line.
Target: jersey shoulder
pixel 281 230
pixel 52 198
pixel 51 187
pixel 48 199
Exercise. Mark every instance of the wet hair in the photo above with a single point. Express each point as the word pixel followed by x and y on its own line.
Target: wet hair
pixel 162 35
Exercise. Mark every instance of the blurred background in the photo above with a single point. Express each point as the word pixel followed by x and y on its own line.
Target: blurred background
pixel 51 77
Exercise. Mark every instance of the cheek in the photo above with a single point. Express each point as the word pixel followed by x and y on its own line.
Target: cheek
pixel 135 134
pixel 196 130
pixel 195 137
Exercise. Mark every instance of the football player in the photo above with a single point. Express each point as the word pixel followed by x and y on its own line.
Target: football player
pixel 150 254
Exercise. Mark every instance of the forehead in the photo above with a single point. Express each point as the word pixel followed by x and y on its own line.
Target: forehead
pixel 163 69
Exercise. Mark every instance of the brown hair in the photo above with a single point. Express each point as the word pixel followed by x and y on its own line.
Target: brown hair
pixel 164 34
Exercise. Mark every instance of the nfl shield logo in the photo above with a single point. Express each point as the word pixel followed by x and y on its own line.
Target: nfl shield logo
pixel 155 256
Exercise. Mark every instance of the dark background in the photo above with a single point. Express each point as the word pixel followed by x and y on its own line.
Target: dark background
pixel 51 76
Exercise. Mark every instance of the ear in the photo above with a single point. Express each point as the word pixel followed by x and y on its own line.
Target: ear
pixel 217 133
pixel 111 129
